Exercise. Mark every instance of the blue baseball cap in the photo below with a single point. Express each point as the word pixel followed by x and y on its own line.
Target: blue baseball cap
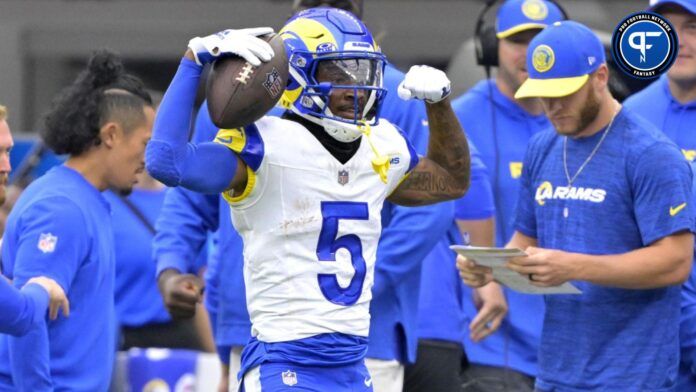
pixel 560 60
pixel 520 15
pixel 689 5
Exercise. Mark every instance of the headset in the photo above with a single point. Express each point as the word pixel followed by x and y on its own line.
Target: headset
pixel 485 39
pixel 486 46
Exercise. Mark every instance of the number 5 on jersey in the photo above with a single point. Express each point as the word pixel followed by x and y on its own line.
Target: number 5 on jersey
pixel 332 212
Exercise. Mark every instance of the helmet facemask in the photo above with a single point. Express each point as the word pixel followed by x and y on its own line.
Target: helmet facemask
pixel 336 71
pixel 354 78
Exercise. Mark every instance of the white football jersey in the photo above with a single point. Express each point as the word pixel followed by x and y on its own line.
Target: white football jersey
pixel 310 226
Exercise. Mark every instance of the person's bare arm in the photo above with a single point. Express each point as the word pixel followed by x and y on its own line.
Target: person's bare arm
pixel 481 231
pixel 489 300
pixel 444 174
pixel 663 263
pixel 201 322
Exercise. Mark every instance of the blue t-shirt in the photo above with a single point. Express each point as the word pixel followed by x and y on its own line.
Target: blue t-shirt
pixel 687 328
pixel 656 104
pixel 624 199
pixel 138 301
pixel 21 309
pixel 61 228
pixel 516 342
pixel 677 120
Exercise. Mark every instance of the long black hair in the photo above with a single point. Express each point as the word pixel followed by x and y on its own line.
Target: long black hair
pixel 102 92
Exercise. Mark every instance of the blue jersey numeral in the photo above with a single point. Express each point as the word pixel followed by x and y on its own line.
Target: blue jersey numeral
pixel 332 212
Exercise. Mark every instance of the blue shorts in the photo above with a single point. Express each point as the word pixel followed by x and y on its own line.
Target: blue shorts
pixel 271 377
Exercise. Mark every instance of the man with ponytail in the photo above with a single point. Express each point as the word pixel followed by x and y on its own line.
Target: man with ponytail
pixel 61 228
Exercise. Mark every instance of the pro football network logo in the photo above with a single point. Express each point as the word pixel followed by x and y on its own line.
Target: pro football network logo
pixel 644 45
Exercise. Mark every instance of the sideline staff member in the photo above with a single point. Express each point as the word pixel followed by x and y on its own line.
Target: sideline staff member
pixel 605 201
pixel 501 126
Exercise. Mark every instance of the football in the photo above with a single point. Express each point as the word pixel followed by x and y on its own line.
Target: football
pixel 239 93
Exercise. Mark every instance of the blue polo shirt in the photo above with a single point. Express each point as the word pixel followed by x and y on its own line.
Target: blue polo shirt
pixel 443 294
pixel 408 234
pixel 61 228
pixel 502 143
pixel 233 325
pixel 634 191
pixel 502 147
pixel 677 120
pixel 138 301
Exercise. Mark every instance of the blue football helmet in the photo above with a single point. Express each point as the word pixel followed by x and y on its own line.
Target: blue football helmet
pixel 329 49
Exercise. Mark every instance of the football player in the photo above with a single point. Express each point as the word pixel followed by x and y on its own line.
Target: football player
pixel 306 190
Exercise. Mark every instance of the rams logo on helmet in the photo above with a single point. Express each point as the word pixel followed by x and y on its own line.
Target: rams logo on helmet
pixel 326 47
pixel 543 58
pixel 341 46
pixel 535 9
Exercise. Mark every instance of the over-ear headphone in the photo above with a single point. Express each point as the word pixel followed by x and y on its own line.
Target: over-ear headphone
pixel 485 39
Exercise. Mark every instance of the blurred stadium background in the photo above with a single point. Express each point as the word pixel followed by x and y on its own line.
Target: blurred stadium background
pixel 45 42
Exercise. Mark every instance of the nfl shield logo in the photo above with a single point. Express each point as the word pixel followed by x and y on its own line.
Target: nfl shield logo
pixel 289 378
pixel 47 242
pixel 343 177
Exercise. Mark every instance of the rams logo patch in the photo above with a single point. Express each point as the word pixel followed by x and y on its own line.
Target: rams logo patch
pixel 535 9
pixel 326 47
pixel 543 58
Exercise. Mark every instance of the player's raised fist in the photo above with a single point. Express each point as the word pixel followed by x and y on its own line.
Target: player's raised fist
pixel 244 43
pixel 425 83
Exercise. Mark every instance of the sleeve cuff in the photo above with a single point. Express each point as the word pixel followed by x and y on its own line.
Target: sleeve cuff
pixel 190 63
pixel 171 261
pixel 224 353
pixel 475 215
pixel 39 297
pixel 525 230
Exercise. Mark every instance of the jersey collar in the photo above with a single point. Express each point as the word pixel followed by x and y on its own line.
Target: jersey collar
pixel 665 87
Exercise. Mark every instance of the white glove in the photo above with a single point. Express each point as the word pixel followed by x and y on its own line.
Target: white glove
pixel 424 83
pixel 244 43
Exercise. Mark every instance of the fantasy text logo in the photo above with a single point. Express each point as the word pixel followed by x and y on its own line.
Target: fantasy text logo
pixel 644 45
